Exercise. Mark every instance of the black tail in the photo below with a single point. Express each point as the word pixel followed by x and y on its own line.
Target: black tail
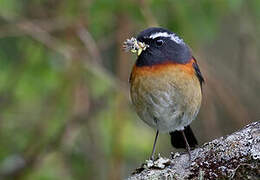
pixel 178 141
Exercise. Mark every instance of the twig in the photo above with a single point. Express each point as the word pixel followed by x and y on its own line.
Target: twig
pixel 89 43
pixel 70 53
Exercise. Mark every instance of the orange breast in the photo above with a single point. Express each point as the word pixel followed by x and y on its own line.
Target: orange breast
pixel 156 70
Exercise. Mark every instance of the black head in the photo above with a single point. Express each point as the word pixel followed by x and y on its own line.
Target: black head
pixel 163 46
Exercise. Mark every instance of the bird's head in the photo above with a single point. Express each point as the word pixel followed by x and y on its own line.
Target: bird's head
pixel 158 46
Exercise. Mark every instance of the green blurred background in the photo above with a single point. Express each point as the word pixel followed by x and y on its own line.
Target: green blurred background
pixel 65 111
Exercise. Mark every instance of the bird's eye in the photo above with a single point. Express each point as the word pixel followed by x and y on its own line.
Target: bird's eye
pixel 159 42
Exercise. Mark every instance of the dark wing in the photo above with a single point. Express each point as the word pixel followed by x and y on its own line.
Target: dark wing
pixel 198 72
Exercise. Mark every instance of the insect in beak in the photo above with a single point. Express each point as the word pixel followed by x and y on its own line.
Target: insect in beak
pixel 134 46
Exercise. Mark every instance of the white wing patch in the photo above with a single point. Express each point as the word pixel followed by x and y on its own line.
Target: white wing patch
pixel 173 37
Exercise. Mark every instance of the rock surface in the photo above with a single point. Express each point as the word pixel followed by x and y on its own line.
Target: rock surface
pixel 236 156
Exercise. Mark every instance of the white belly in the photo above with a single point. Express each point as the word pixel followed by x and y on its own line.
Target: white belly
pixel 164 111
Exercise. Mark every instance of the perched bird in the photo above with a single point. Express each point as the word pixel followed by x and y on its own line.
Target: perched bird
pixel 166 85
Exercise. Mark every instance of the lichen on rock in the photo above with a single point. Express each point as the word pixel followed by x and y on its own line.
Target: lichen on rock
pixel 236 156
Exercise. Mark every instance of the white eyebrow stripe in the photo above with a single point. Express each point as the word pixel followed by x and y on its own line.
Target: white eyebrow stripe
pixel 173 37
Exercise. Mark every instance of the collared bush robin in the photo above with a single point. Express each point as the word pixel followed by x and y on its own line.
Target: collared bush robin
pixel 166 85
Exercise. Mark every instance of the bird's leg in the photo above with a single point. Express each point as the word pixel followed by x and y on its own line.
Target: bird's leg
pixel 187 144
pixel 154 144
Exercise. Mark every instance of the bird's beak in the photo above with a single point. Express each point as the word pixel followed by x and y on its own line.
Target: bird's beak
pixel 134 46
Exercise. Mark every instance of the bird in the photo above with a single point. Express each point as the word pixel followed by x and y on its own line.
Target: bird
pixel 165 85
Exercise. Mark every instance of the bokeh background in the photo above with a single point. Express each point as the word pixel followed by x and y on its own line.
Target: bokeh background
pixel 65 111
